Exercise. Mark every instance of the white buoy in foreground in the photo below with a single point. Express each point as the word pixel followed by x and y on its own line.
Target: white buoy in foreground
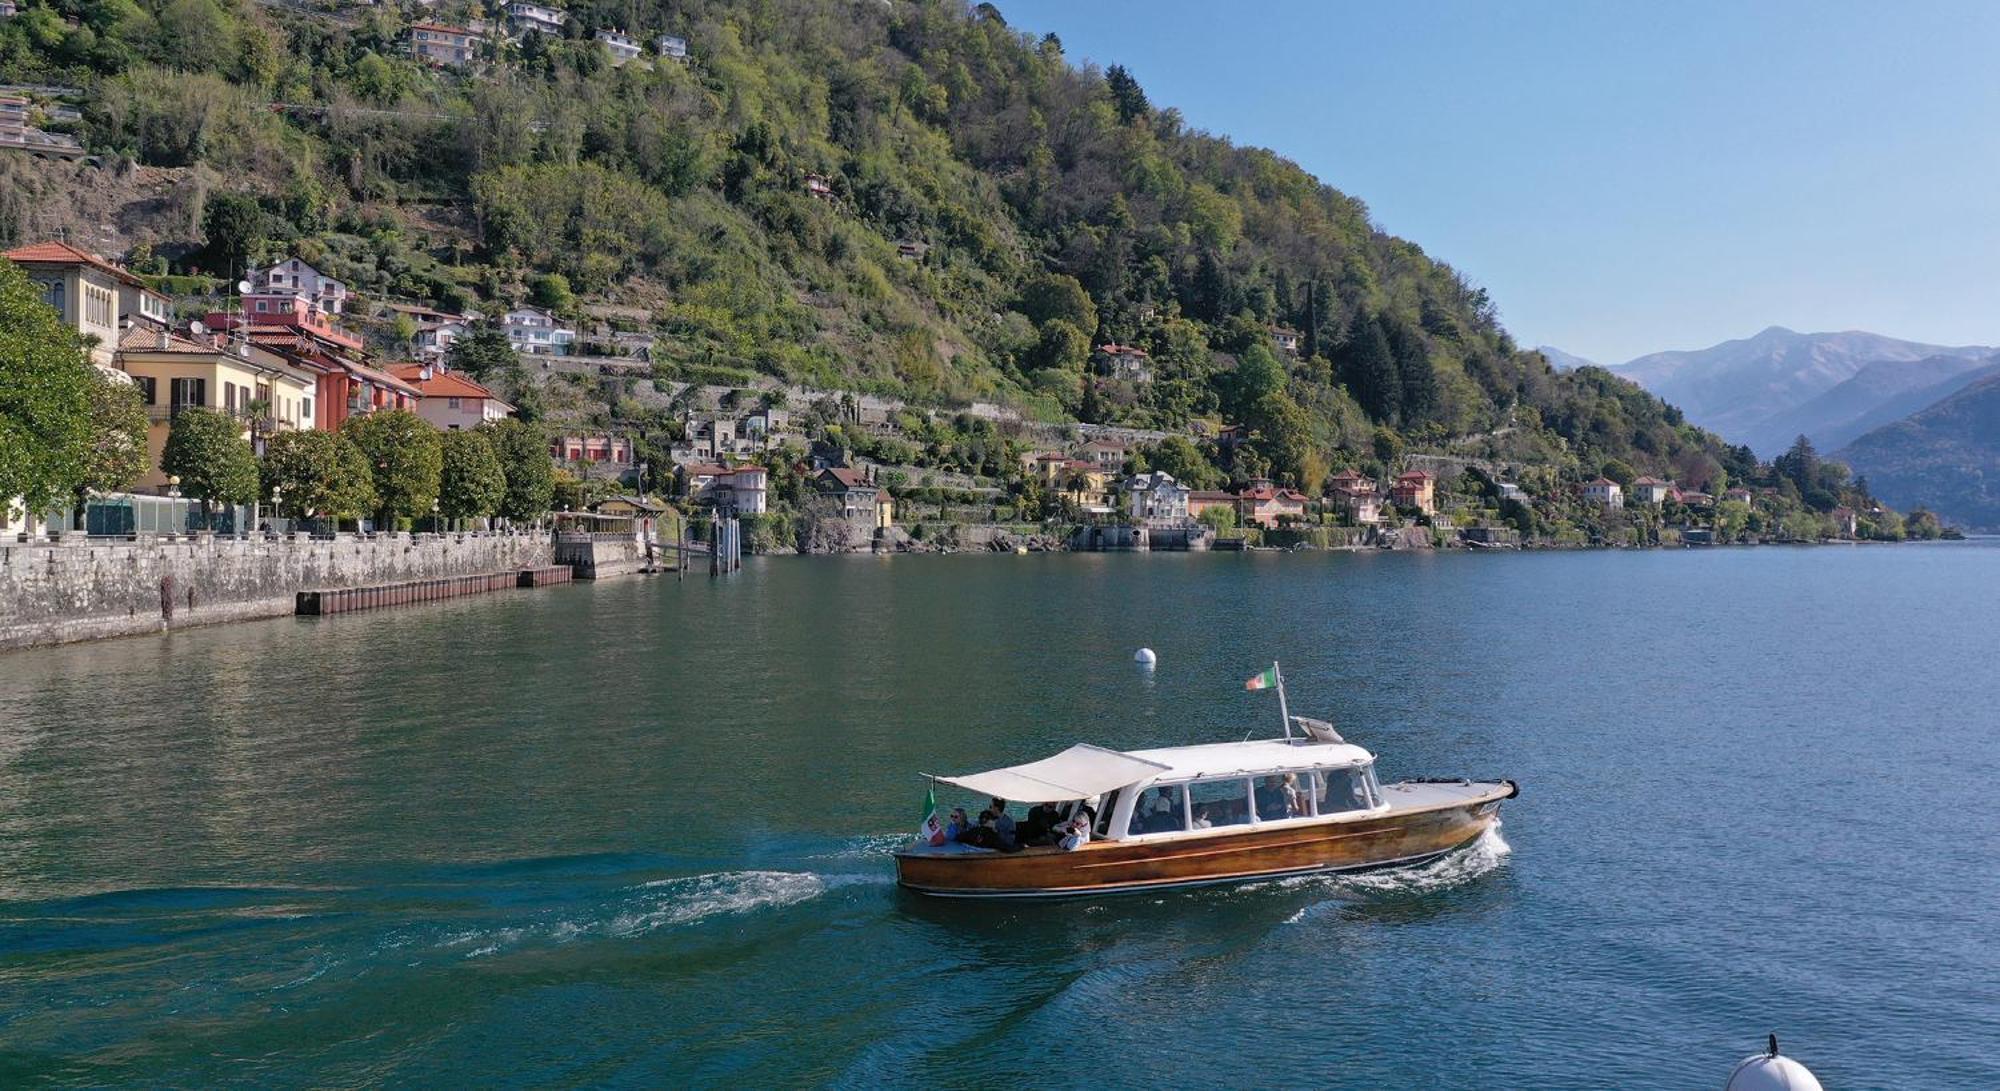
pixel 1771 1071
pixel 1145 657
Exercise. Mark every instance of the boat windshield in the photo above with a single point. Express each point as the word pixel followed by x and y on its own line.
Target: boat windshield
pixel 1349 789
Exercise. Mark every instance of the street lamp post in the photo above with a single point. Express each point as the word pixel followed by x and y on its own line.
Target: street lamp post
pixel 436 506
pixel 173 503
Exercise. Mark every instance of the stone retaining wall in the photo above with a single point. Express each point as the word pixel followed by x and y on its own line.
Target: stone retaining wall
pixel 53 593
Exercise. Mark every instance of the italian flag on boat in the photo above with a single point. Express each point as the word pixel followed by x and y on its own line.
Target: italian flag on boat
pixel 932 830
pixel 1266 680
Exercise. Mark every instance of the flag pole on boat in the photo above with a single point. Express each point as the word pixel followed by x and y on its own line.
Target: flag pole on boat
pixel 1274 679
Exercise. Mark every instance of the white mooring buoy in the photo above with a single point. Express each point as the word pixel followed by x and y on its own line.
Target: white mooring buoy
pixel 1145 657
pixel 1771 1071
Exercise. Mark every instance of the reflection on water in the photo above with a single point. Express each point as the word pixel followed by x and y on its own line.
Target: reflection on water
pixel 636 833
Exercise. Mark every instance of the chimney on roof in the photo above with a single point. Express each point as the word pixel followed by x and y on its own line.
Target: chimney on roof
pixel 165 339
pixel 425 373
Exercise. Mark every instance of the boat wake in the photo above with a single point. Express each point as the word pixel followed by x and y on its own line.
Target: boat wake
pixel 1481 858
pixel 663 904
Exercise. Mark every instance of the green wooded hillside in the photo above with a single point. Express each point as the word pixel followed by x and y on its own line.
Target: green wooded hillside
pixel 1056 208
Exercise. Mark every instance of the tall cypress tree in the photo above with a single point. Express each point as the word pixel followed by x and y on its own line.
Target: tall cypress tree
pixel 1368 368
pixel 1415 376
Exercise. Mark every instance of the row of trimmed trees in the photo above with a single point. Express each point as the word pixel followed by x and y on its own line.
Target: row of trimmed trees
pixel 390 465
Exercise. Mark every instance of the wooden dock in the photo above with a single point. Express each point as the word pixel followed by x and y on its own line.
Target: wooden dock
pixel 346 600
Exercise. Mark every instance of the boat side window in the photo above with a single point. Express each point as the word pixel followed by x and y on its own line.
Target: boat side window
pixel 1346 790
pixel 1108 805
pixel 1220 802
pixel 1160 809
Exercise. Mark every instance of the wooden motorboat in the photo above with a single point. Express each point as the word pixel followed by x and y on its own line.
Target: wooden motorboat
pixel 1193 815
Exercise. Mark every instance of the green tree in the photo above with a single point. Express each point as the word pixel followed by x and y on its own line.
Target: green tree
pixel 524 460
pixel 551 290
pixel 314 474
pixel 45 398
pixel 1062 347
pixel 1368 368
pixel 1179 456
pixel 471 483
pixel 118 454
pixel 1619 470
pixel 236 230
pixel 207 450
pixel 1055 297
pixel 1126 95
pixel 404 457
pixel 485 353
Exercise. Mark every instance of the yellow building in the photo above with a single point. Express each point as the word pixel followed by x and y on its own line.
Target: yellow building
pixel 173 373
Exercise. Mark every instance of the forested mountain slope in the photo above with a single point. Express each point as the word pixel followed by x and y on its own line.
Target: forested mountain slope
pixel 1046 208
pixel 1943 457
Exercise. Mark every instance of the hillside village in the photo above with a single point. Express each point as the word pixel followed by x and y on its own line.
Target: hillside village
pixel 812 471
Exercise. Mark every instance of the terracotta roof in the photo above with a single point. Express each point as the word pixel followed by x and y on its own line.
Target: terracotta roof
pixel 441 384
pixel 1208 496
pixel 441 28
pixel 1416 475
pixel 848 477
pixel 138 338
pixel 62 253
pixel 1266 492
pixel 704 469
pixel 1649 481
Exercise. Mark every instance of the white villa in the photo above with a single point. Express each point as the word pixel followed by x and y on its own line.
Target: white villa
pixel 1157 497
pixel 531 329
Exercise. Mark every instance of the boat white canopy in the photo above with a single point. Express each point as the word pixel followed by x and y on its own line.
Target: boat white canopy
pixel 1080 772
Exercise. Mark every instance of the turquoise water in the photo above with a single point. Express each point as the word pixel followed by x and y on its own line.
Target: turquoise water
pixel 634 833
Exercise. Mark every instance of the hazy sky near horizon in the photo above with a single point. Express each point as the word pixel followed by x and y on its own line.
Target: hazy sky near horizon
pixel 1622 177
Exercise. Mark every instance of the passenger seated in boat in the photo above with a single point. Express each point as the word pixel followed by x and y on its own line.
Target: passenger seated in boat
pixel 1273 800
pixel 1039 828
pixel 955 829
pixel 1156 813
pixel 986 835
pixel 1204 817
pixel 1004 823
pixel 1076 832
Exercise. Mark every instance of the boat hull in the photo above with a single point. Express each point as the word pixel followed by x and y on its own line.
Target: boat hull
pixel 1400 836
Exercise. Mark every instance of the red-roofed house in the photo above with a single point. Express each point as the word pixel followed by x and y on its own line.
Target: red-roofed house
pixel 286 308
pixel 850 489
pixel 1605 493
pixel 1125 362
pixel 1267 505
pixel 441 44
pixel 449 400
pixel 1415 489
pixel 1651 490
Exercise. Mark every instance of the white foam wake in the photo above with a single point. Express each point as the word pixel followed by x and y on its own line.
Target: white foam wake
pixel 1481 858
pixel 663 903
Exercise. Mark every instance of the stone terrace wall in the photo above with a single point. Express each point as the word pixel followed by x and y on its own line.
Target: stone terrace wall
pixel 53 593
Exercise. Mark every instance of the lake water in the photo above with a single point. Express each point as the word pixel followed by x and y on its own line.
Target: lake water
pixel 634 833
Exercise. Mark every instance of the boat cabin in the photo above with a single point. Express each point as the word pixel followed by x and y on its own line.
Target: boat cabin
pixel 1185 791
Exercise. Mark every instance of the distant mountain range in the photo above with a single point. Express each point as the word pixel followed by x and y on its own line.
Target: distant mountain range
pixel 1749 390
pixel 1907 414
pixel 1945 457
pixel 1564 361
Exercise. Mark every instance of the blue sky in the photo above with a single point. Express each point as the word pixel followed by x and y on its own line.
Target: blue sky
pixel 1623 177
